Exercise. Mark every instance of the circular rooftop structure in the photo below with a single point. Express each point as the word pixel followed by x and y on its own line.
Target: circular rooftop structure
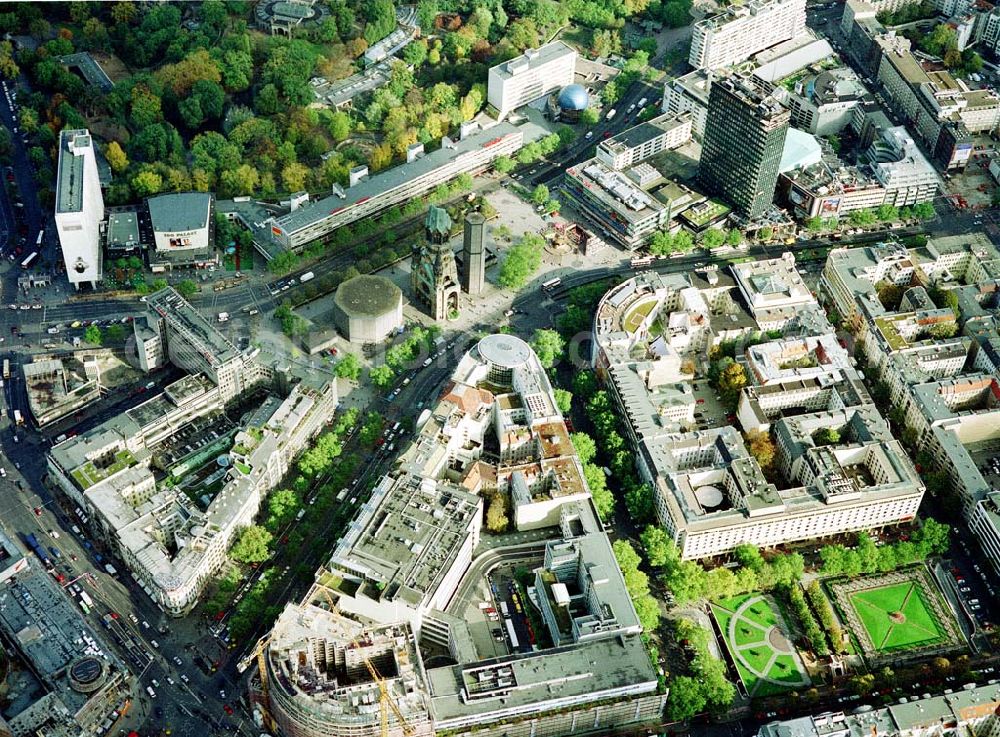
pixel 87 674
pixel 367 308
pixel 574 97
pixel 709 497
pixel 504 351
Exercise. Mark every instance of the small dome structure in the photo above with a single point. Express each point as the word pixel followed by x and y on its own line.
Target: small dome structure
pixel 574 97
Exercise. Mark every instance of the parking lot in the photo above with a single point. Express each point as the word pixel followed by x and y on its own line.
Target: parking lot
pixel 709 410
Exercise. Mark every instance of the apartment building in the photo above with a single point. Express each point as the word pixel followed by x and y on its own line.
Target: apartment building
pixel 534 74
pixel 79 208
pixel 740 31
pixel 970 709
pixel 777 297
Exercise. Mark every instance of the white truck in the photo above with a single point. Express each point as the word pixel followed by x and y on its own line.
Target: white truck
pixel 223 317
pixel 306 277
pixel 611 113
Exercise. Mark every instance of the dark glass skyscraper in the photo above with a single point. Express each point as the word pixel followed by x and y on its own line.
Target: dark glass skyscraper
pixel 744 136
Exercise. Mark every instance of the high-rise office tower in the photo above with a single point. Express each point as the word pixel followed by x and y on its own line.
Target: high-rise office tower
pixel 474 254
pixel 744 137
pixel 79 207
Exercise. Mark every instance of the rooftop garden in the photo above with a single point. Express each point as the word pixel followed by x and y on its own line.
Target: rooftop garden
pixel 90 473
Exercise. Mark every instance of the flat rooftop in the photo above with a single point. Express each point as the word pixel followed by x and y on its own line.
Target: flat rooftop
pixel 616 191
pixel 196 328
pixel 637 135
pixel 407 535
pixel 577 671
pixel 179 211
pixel 123 229
pixel 532 59
pixel 368 296
pixel 69 178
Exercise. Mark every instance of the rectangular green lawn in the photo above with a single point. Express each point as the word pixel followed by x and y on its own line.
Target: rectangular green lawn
pixel 896 616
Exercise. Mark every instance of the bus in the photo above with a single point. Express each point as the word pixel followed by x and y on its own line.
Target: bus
pixel 85 608
pixel 551 284
pixel 26 264
pixel 18 417
pixel 514 644
pixel 638 262
pixel 6 368
pixel 41 237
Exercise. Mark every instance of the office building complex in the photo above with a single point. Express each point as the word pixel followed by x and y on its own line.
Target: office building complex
pixel 58 387
pixel 710 494
pixel 169 483
pixel 534 74
pixel 623 193
pixel 183 227
pixel 79 207
pixel 405 580
pixel 474 254
pixel 740 31
pixel 70 682
pixel 369 195
pixel 640 142
pixel 744 138
pixel 824 104
pixel 689 94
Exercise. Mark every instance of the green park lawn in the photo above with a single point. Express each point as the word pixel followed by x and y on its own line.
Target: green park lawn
pixel 896 617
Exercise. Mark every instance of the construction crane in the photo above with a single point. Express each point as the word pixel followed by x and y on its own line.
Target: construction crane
pixel 386 702
pixel 258 653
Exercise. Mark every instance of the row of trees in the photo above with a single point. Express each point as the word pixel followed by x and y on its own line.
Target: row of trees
pixel 882 214
pixel 810 627
pixel 932 538
pixel 706 686
pixel 824 612
pixel 637 584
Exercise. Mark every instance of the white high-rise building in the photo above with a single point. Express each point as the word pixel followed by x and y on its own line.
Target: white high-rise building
pixel 535 73
pixel 740 31
pixel 79 207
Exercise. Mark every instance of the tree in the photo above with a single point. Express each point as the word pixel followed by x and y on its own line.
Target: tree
pixel 349 367
pixel 282 506
pixel 115 333
pixel 496 514
pixel 116 157
pixel 540 194
pixel 187 288
pixel 294 176
pixel 590 116
pixel 415 53
pixel 638 497
pixel 827 436
pixel 291 324
pixel 924 210
pixel 564 400
pixel 548 346
pixel 584 445
pixel 521 262
pixel 93 335
pixel 687 699
pixel 147 183
pixel 503 164
pixel 731 380
pixel 253 545
pixel 382 376
pixel 713 238
pixel 887 213
pixel 659 547
pixel 761 447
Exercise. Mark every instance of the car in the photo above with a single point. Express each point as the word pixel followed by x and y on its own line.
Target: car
pixel 222 693
pixel 156 683
pixel 145 624
pixel 178 660
pixel 171 681
pixel 700 401
pixel 37 306
pixel 135 619
pixel 228 709
pixel 38 510
pixel 185 678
